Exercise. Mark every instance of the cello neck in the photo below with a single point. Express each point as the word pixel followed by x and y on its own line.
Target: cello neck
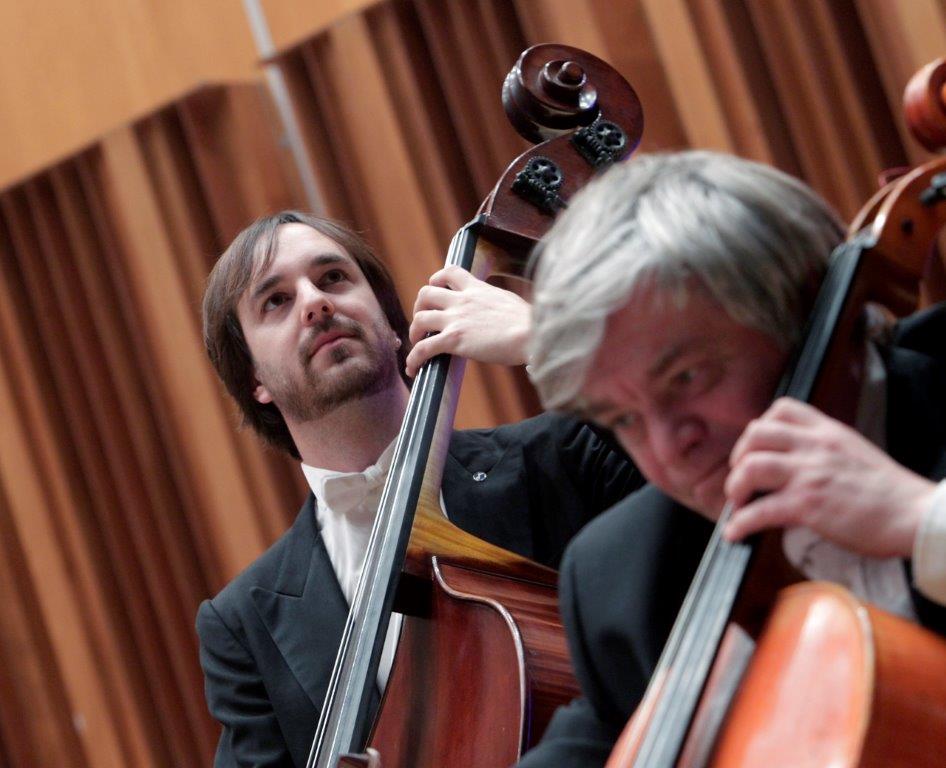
pixel 685 664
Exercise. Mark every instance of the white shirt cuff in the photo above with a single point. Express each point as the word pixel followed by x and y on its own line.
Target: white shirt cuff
pixel 929 549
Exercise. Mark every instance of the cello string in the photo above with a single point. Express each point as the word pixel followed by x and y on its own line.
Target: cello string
pixel 693 657
pixel 677 648
pixel 692 650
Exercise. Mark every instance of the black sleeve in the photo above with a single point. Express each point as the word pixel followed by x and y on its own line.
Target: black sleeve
pixel 622 581
pixel 575 737
pixel 602 471
pixel 588 476
pixel 929 613
pixel 237 698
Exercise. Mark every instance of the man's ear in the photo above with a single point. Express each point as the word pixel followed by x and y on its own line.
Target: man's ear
pixel 261 394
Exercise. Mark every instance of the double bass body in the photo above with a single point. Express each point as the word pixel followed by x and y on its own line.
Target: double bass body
pixel 497 644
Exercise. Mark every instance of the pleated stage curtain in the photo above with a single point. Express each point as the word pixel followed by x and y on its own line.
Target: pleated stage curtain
pixel 126 493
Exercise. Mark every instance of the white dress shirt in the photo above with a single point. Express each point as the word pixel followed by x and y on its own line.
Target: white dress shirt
pixel 929 550
pixel 346 504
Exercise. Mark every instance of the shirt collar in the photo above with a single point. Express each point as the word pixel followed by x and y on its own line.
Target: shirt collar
pixel 342 493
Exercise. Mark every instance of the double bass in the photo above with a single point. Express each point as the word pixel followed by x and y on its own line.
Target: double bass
pixel 827 680
pixel 481 662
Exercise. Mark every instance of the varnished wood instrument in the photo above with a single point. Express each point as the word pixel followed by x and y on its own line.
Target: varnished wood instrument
pixel 481 661
pixel 832 681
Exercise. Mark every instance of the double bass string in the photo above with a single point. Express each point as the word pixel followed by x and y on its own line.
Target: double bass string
pixel 363 636
pixel 343 722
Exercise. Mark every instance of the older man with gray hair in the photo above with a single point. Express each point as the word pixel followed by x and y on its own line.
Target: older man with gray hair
pixel 668 300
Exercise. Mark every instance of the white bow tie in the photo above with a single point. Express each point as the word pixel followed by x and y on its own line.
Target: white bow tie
pixel 351 494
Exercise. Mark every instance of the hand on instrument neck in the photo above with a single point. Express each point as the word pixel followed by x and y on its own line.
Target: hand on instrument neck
pixel 470 318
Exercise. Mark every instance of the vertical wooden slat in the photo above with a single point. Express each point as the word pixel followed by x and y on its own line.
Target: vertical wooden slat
pixel 688 73
pixel 471 83
pixel 158 534
pixel 903 36
pixel 838 33
pixel 798 79
pixel 184 207
pixel 183 174
pixel 314 110
pixel 444 175
pixel 188 394
pixel 924 27
pixel 38 471
pixel 243 173
pixel 79 387
pixel 736 64
pixel 838 119
pixel 36 724
pixel 159 589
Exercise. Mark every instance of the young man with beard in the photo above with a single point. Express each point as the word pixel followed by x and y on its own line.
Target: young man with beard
pixel 667 301
pixel 303 325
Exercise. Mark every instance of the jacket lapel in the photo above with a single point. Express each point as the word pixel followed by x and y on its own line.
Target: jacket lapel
pixel 305 612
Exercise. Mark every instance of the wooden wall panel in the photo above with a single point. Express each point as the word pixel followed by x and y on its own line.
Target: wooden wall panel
pixel 48 506
pixel 73 71
pixel 904 36
pixel 832 126
pixel 676 38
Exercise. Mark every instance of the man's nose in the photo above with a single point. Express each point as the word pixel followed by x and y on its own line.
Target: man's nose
pixel 314 305
pixel 675 437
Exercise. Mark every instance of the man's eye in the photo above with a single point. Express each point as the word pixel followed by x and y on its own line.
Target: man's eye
pixel 333 276
pixel 274 302
pixel 686 376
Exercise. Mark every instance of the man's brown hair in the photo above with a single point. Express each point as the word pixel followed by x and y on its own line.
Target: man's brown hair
pixel 251 252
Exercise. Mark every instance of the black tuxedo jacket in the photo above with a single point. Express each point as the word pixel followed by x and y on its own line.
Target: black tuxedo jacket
pixel 268 640
pixel 624 577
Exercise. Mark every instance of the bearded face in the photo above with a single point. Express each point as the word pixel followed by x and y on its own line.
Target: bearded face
pixel 318 337
pixel 349 362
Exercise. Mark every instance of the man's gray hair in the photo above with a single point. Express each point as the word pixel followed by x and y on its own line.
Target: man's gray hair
pixel 756 239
